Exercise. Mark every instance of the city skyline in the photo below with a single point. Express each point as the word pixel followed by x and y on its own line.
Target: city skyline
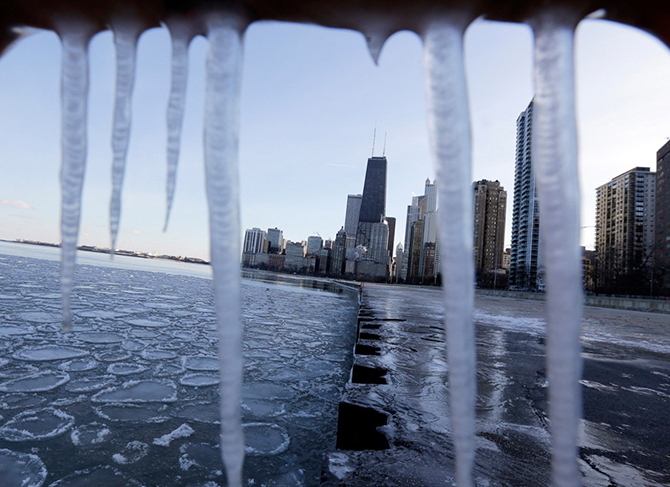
pixel 310 94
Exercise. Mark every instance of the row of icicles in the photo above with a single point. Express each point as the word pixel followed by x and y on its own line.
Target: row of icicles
pixel 554 158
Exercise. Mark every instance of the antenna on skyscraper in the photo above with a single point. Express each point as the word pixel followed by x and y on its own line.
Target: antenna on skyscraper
pixel 374 137
pixel 386 131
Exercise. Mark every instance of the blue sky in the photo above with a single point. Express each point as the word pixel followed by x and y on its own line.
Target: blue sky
pixel 310 100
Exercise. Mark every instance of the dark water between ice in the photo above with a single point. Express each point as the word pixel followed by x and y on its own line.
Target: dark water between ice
pixel 130 397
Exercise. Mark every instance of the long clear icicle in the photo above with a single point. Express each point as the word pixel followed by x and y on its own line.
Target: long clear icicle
pixel 181 34
pixel 224 63
pixel 449 128
pixel 74 96
pixel 555 158
pixel 126 33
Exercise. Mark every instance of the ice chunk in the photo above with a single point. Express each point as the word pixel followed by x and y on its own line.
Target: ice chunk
pixel 125 368
pixel 206 412
pixel 199 380
pixel 201 363
pixel 16 330
pixel 79 365
pixel 168 370
pixel 90 434
pixel 153 323
pixel 89 385
pixel 99 337
pixel 21 469
pixel 139 391
pixel 48 353
pixel 39 382
pixel 133 452
pixel 153 354
pixel 34 425
pixel 102 475
pixel 39 317
pixel 114 356
pixel 134 345
pixel 20 401
pixel 184 431
pixel 264 439
pixel 144 413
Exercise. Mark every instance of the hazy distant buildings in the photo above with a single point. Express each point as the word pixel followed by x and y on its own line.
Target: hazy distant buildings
pixel 625 231
pixel 490 205
pixel 421 255
pixel 339 253
pixel 662 215
pixel 525 266
pixel 254 241
pixel 314 244
pixel 351 217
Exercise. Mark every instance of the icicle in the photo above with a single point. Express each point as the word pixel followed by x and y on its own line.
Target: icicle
pixel 126 33
pixel 74 95
pixel 224 62
pixel 449 128
pixel 181 33
pixel 555 158
pixel 375 41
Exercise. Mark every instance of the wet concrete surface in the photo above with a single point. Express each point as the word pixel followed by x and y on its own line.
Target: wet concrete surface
pixel 625 434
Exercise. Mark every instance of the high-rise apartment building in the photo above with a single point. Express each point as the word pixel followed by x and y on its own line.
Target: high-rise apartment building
pixel 662 214
pixel 254 241
pixel 413 213
pixel 625 230
pixel 490 205
pixel 525 265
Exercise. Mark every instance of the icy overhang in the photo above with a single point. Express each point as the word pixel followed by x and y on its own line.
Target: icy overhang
pixel 374 18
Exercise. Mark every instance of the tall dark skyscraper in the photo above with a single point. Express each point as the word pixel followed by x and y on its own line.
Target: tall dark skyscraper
pixel 373 204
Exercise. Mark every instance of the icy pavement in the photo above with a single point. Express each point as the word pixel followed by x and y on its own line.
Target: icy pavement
pixel 401 390
pixel 130 396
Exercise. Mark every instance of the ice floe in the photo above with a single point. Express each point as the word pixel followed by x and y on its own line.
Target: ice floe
pixel 90 434
pixel 16 330
pixel 199 380
pixel 201 363
pixel 20 401
pixel 114 356
pixel 146 323
pixel 139 391
pixel 99 337
pixel 144 413
pixel 184 431
pixel 98 476
pixel 38 424
pixel 21 469
pixel 124 368
pixel 89 385
pixel 38 382
pixel 204 412
pixel 154 354
pixel 133 452
pixel 134 345
pixel 39 317
pixel 46 353
pixel 265 439
pixel 79 365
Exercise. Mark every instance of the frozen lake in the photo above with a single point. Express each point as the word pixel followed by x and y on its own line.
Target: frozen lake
pixel 130 396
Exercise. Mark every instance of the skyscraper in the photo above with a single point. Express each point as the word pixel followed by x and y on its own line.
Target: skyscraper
pixel 373 203
pixel 276 238
pixel 413 212
pixel 490 204
pixel 525 262
pixel 625 231
pixel 254 241
pixel 339 251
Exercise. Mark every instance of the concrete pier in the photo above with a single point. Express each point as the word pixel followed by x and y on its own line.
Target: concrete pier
pixel 393 427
